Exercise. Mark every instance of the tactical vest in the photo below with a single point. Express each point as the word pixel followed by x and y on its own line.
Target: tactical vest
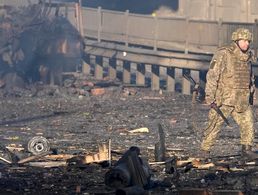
pixel 235 78
pixel 241 70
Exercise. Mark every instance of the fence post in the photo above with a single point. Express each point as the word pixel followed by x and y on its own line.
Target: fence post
pixel 220 37
pixel 112 68
pixel 255 33
pixel 126 27
pixel 126 72
pixel 187 35
pixel 171 79
pixel 81 19
pixel 155 84
pixel 77 19
pixel 140 74
pixel 186 85
pixel 155 32
pixel 86 64
pixel 99 23
pixel 99 67
pixel 202 76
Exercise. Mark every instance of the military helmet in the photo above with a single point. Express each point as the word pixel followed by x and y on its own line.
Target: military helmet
pixel 242 33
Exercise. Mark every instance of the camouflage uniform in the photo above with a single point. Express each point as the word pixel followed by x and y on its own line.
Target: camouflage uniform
pixel 229 81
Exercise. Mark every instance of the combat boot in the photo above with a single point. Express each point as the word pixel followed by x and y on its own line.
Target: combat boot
pixel 204 154
pixel 247 153
pixel 246 149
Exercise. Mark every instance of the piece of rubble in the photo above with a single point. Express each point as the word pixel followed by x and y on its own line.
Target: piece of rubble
pixel 97 91
pixel 48 164
pixel 103 155
pixel 130 170
pixel 139 130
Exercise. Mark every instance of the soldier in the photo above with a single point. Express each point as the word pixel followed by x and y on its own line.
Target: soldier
pixel 230 84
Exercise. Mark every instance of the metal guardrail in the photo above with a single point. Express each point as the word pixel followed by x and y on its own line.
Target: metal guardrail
pixel 175 44
pixel 160 33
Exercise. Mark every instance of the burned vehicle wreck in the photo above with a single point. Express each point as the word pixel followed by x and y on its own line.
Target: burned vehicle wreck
pixel 37 45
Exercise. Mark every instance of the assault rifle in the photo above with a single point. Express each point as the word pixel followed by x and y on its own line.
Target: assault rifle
pixel 197 90
pixel 251 97
pixel 217 109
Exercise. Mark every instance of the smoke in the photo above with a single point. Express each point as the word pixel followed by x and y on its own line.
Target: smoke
pixel 33 40
pixel 134 6
pixel 164 11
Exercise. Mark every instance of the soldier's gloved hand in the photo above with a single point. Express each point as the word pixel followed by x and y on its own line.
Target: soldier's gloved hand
pixel 209 100
pixel 213 105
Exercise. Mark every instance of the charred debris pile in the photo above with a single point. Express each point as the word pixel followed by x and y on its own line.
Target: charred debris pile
pixel 111 171
pixel 36 43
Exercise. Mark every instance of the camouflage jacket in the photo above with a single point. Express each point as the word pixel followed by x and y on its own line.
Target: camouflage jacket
pixel 230 77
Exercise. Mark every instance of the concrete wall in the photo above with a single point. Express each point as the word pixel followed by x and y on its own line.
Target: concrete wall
pixel 226 10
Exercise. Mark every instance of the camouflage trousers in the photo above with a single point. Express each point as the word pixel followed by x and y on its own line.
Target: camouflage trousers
pixel 244 120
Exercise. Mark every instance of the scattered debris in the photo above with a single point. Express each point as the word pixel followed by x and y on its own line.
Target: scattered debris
pixel 32 158
pixel 97 91
pixel 103 155
pixel 38 145
pixel 130 170
pixel 160 148
pixel 75 162
pixel 36 44
pixel 139 130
